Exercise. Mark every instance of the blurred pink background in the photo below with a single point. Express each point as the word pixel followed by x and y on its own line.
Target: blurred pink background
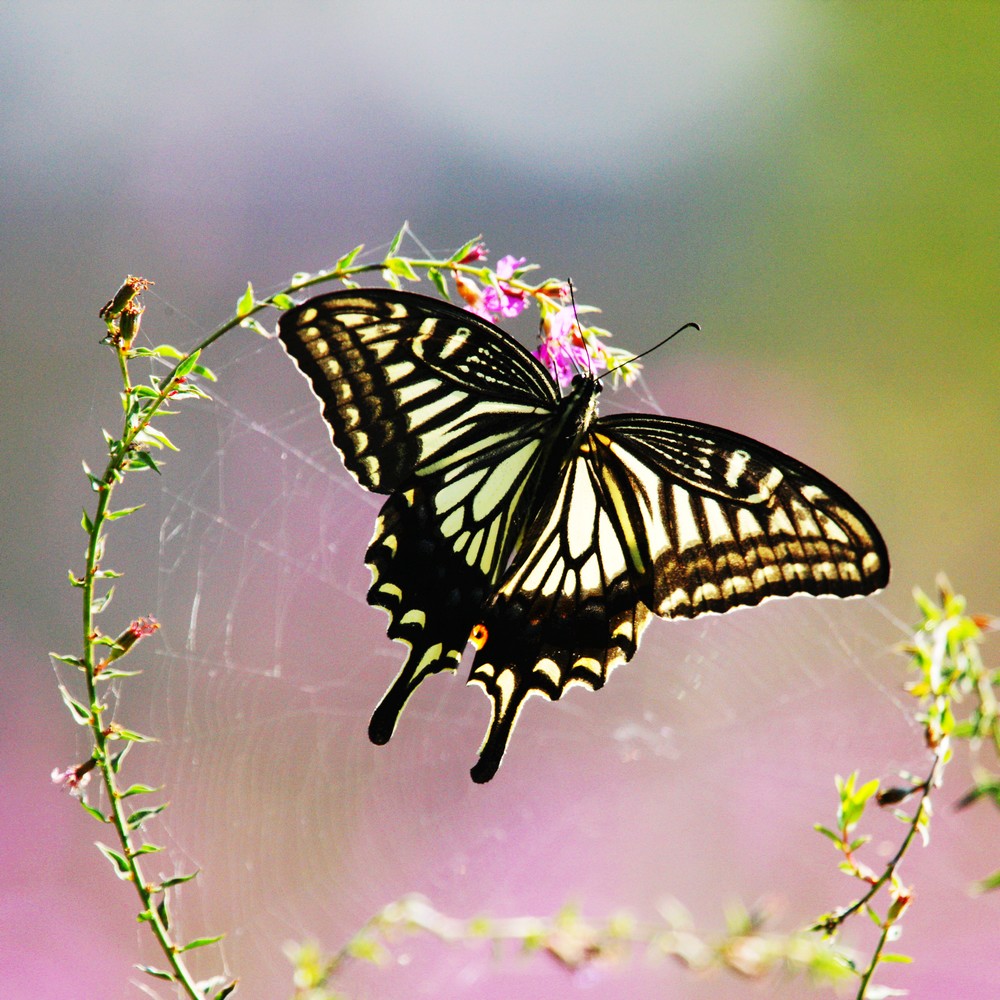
pixel 814 184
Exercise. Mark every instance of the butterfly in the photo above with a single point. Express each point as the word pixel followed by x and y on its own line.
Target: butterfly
pixel 519 520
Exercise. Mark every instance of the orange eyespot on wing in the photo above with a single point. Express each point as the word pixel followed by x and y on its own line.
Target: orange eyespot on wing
pixel 479 635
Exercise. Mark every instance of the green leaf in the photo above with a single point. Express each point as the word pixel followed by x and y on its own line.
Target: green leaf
pixel 245 304
pixel 827 832
pixel 252 324
pixel 437 279
pixel 184 368
pixel 281 301
pixel 148 849
pixel 119 758
pixel 144 392
pixel 397 239
pixel 348 259
pixel 160 351
pixel 141 815
pixel 151 970
pixel 98 604
pixel 80 713
pixel 96 813
pixel 225 992
pixel 201 943
pixel 888 956
pixel 155 438
pixel 179 879
pixel 110 574
pixel 137 790
pixel 117 859
pixel 142 460
pixel 73 661
pixel 203 372
pixel 989 883
pixel 163 912
pixel 87 524
pixel 120 733
pixel 402 267
pixel 114 515
pixel 110 675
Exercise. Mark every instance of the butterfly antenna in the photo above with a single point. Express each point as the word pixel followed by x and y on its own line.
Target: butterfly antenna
pixel 649 350
pixel 576 320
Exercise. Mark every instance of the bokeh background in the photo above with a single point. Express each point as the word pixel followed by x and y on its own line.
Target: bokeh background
pixel 816 184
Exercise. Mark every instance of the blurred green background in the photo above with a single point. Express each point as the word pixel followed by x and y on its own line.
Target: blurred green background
pixel 815 184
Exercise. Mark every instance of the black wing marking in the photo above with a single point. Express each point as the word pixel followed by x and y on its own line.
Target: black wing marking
pixel 655 514
pixel 410 384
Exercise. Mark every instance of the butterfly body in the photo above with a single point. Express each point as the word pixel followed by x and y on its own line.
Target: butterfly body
pixel 546 533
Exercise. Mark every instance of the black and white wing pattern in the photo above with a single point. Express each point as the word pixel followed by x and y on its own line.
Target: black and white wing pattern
pixel 545 535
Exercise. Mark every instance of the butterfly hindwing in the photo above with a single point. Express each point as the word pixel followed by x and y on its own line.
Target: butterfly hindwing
pixel 655 514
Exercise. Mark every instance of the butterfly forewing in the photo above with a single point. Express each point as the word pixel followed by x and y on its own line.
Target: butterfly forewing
pixel 410 385
pixel 547 535
pixel 733 521
pixel 452 418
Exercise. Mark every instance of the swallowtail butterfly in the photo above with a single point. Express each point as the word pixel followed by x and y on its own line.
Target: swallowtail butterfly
pixel 520 520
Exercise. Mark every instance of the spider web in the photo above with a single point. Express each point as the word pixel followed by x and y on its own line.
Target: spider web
pixel 696 774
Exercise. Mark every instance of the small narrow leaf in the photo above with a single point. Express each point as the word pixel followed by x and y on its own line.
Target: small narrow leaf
pixel 252 324
pixel 118 758
pixel 184 368
pixel 226 991
pixel 113 673
pixel 98 604
pixel 402 267
pixel 80 713
pixel 163 913
pixel 96 813
pixel 117 859
pixel 201 942
pixel 141 815
pixel 142 460
pixel 205 373
pixel 281 301
pixel 128 734
pixel 87 524
pixel 179 879
pixel 137 789
pixel 245 304
pixel 438 281
pixel 989 883
pixel 157 439
pixel 114 515
pixel 397 239
pixel 73 661
pixel 151 970
pixel 348 259
pixel 148 849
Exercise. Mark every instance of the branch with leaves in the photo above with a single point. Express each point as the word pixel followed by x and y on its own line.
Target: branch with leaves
pixel 946 660
pixel 488 291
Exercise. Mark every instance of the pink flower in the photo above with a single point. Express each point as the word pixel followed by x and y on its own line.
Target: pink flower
pixel 501 299
pixel 74 779
pixel 562 349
